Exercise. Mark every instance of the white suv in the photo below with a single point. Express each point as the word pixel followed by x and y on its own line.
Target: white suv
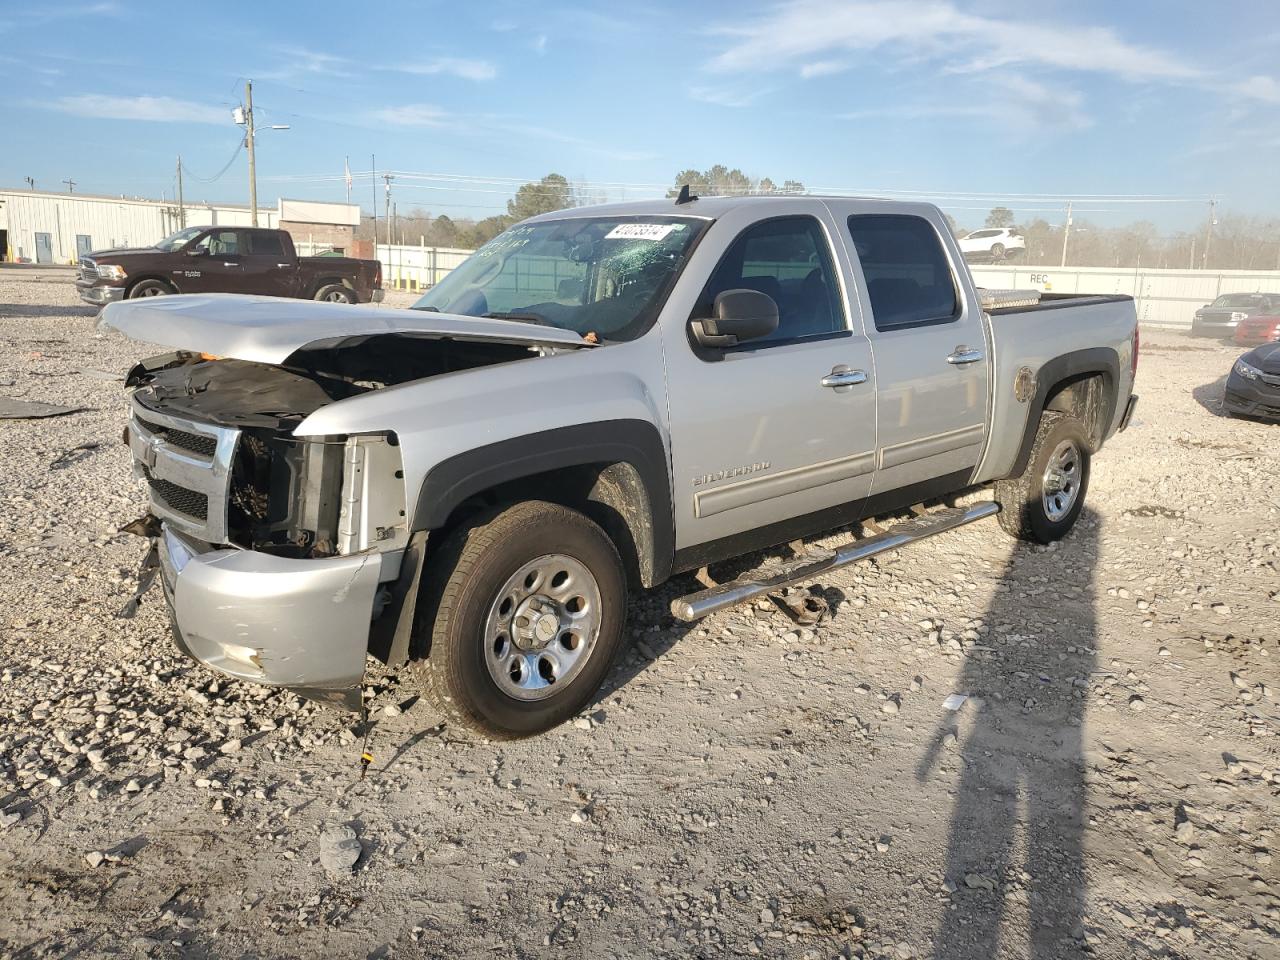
pixel 994 242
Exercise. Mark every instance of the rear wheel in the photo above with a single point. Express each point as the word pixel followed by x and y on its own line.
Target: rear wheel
pixel 524 618
pixel 335 293
pixel 1043 503
pixel 149 288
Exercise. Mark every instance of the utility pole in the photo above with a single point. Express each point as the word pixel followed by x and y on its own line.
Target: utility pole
pixel 387 178
pixel 1208 236
pixel 1066 234
pixel 253 169
pixel 182 210
pixel 373 181
pixel 71 185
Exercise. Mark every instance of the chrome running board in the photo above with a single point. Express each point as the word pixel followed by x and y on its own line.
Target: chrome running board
pixel 695 606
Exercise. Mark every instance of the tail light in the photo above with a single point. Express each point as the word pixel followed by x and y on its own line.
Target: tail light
pixel 1137 342
pixel 377 276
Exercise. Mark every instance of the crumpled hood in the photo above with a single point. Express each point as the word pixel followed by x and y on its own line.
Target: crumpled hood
pixel 271 329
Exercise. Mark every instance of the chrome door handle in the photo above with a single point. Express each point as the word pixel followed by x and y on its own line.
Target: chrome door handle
pixel 284 265
pixel 964 355
pixel 842 376
pixel 225 264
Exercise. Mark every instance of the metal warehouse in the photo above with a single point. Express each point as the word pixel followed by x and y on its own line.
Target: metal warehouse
pixel 40 227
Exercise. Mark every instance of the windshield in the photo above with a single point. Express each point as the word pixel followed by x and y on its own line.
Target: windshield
pixel 601 275
pixel 174 241
pixel 1238 300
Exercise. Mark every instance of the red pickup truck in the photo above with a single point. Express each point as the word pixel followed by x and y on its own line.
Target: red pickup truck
pixel 226 260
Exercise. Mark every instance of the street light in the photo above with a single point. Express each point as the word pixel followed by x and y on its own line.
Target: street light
pixel 243 116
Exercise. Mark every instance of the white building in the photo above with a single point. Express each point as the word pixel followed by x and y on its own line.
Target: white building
pixel 41 227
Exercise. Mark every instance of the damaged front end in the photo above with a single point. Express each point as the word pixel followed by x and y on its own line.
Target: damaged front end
pixel 277 554
pixel 288 559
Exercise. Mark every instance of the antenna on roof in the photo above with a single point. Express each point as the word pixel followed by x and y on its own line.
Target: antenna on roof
pixel 685 196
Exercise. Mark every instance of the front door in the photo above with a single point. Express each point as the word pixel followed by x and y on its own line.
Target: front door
pixel 44 248
pixel 213 263
pixel 932 357
pixel 780 427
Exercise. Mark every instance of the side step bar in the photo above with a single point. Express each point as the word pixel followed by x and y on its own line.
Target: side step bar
pixel 695 606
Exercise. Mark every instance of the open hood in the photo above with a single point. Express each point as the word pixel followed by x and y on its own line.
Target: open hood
pixel 271 329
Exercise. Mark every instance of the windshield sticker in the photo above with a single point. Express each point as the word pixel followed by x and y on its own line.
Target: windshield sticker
pixel 640 231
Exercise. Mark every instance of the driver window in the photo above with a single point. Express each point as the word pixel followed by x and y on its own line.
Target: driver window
pixel 787 258
pixel 219 243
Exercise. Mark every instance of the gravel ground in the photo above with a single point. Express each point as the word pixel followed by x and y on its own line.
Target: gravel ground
pixel 743 786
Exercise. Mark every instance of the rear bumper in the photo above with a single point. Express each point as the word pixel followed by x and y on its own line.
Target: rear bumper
pixel 300 624
pixel 377 295
pixel 1128 411
pixel 98 295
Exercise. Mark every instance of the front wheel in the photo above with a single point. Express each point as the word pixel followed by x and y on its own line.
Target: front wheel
pixel 149 288
pixel 1044 502
pixel 524 615
pixel 997 251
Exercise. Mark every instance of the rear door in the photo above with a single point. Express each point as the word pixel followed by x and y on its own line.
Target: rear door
pixel 779 427
pixel 931 353
pixel 266 267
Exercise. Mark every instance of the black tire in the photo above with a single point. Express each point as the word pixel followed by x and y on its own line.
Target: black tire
pixel 1028 510
pixel 997 251
pixel 336 293
pixel 467 577
pixel 149 288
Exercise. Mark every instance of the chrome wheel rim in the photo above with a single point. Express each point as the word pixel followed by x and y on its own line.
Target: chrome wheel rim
pixel 337 296
pixel 153 292
pixel 1061 485
pixel 542 627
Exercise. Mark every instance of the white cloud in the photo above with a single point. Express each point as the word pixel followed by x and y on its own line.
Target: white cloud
pixel 540 44
pixel 823 68
pixel 721 97
pixel 159 109
pixel 413 115
pixel 1020 107
pixel 452 66
pixel 1266 89
pixel 798 31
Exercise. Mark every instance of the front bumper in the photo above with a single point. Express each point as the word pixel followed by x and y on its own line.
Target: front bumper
pixel 301 624
pixel 98 294
pixel 1252 398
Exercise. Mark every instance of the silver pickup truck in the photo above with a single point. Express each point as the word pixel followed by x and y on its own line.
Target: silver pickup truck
pixel 595 401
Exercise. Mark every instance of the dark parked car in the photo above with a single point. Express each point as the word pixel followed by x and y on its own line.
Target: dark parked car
pixel 226 260
pixel 1253 386
pixel 1220 318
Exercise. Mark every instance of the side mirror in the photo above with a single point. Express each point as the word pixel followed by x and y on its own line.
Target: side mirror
pixel 739 315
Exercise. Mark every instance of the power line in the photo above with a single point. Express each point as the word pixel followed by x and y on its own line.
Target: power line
pixel 218 175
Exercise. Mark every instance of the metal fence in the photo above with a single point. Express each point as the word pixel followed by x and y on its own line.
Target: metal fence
pixel 1164 298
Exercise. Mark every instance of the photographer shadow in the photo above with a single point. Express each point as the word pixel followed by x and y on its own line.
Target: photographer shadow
pixel 1017 832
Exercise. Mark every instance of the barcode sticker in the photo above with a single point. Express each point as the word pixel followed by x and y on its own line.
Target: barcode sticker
pixel 640 231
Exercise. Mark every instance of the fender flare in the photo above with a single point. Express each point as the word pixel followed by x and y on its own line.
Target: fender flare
pixel 1100 360
pixel 635 442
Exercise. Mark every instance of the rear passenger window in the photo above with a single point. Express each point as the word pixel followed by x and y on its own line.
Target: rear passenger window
pixel 266 244
pixel 787 258
pixel 908 278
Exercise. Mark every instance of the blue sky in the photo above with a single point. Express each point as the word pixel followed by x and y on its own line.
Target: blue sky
pixel 942 97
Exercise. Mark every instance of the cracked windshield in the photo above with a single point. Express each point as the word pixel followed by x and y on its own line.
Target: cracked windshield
pixel 600 275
